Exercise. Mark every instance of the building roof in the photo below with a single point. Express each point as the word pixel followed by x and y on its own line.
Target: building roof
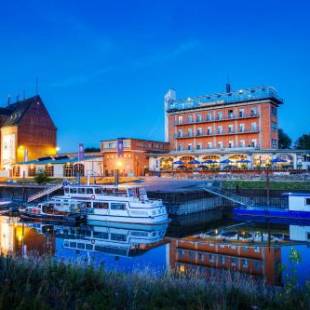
pixel 56 160
pixel 137 139
pixel 226 98
pixel 14 112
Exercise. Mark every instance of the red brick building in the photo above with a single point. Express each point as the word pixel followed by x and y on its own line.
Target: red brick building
pixel 134 159
pixel 27 132
pixel 243 119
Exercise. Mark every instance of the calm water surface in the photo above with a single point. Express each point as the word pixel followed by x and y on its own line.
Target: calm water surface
pixel 201 243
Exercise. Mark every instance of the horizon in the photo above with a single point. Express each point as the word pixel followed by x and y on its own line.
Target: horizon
pixel 103 68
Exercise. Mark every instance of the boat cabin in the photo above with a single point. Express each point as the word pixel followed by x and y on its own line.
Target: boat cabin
pixel 91 192
pixel 299 202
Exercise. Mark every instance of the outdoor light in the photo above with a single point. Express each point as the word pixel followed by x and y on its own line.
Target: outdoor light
pixel 119 164
pixel 57 148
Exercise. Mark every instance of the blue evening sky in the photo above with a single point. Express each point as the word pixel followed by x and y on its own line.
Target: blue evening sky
pixel 104 66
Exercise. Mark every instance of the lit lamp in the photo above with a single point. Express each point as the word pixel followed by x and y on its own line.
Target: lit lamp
pixel 57 149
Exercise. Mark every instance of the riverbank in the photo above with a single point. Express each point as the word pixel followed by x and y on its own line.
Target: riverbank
pixel 39 284
pixel 281 186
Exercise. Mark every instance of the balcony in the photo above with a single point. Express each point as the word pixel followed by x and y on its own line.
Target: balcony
pixel 218 119
pixel 216 133
pixel 218 149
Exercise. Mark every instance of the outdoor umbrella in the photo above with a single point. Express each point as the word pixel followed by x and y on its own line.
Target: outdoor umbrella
pixel 194 162
pixel 243 161
pixel 226 161
pixel 278 160
pixel 178 162
pixel 209 161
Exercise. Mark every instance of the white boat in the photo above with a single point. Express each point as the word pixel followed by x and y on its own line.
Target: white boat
pixel 122 204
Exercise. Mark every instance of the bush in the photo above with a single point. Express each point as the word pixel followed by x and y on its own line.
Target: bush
pixel 41 177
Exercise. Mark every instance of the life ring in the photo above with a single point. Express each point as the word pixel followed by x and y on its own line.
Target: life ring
pixel 93 197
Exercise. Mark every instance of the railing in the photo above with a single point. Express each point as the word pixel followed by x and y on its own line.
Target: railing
pixel 216 149
pixel 242 95
pixel 217 133
pixel 45 192
pixel 217 119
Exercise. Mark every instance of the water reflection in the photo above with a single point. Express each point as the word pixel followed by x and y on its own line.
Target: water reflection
pixel 257 251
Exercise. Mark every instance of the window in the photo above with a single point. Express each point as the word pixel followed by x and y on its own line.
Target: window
pixel 219 115
pixel 209 145
pixel 180 119
pixel 198 117
pixel 253 143
pixel 190 118
pixel 274 126
pixel 31 171
pixel 245 263
pixel 230 114
pixel 49 170
pixel 220 144
pixel 180 147
pixel 273 111
pixel 199 146
pixel 254 126
pixel 98 191
pixel 209 130
pixel 190 132
pixel 231 144
pixel 307 200
pixel 118 237
pixel 241 127
pixel 101 205
pixel 189 147
pixel 180 133
pixel 209 117
pixel 242 143
pixel 241 113
pixel 118 206
pixel 230 128
pixel 274 143
pixel 199 131
pixel 253 111
pixel 81 190
pixel 68 170
pixel 101 235
pixel 73 190
pixel 219 129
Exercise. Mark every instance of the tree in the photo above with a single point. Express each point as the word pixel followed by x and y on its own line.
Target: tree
pixel 284 140
pixel 303 142
pixel 91 150
pixel 41 177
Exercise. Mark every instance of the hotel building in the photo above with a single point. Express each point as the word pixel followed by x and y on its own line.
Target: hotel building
pixel 237 127
pixel 27 132
pixel 243 119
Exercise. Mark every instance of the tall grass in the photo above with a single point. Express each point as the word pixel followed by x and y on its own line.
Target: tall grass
pixel 46 284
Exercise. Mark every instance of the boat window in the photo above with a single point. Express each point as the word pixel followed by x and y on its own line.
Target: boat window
pixel 101 235
pixel 86 204
pixel 67 190
pixel 81 190
pixel 121 192
pixel 48 209
pixel 109 191
pixel 89 247
pixel 73 190
pixel 118 237
pixel 101 205
pixel 118 206
pixel 81 246
pixel 99 191
pixel 308 201
pixel 89 191
pixel 72 244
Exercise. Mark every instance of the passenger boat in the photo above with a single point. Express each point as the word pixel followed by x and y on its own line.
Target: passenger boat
pixel 51 211
pixel 298 209
pixel 122 204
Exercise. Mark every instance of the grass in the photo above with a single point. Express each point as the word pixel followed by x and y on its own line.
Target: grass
pixel 44 284
pixel 285 186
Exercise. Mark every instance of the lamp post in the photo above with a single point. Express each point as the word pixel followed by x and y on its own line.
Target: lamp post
pixel 116 175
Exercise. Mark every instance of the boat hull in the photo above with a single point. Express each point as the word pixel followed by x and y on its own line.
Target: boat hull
pixel 161 219
pixel 74 219
pixel 272 213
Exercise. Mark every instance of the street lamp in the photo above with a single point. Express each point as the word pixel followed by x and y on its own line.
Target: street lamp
pixel 119 164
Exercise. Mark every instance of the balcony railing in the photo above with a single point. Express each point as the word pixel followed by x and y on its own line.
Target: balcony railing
pixel 216 133
pixel 218 119
pixel 218 149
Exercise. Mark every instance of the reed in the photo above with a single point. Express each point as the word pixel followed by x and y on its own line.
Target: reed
pixel 38 283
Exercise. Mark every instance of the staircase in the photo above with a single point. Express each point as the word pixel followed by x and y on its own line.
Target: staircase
pixel 220 192
pixel 44 192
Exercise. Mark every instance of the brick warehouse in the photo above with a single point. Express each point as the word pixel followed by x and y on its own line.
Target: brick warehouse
pixel 27 132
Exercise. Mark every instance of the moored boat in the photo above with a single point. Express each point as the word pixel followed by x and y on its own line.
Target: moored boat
pixel 50 211
pixel 122 204
pixel 298 209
